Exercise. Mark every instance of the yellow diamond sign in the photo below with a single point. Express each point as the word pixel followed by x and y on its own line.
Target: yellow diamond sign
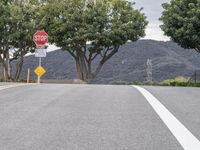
pixel 40 71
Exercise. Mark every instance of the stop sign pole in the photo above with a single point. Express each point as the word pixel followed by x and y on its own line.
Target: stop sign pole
pixel 40 38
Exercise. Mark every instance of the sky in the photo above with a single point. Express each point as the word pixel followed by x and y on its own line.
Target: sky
pixel 153 10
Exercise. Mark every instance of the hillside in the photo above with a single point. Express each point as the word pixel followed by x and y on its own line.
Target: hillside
pixel 129 64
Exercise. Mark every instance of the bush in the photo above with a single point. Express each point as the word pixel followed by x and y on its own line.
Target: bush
pixel 119 83
pixel 178 81
pixel 181 79
pixel 167 82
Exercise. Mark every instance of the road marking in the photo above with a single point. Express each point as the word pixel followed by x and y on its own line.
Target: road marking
pixel 187 140
pixel 3 87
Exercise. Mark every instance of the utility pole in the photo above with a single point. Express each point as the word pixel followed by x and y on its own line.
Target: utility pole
pixel 40 64
pixel 2 70
pixel 4 74
pixel 149 71
pixel 195 76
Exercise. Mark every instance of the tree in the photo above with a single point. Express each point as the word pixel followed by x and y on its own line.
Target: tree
pixel 4 41
pixel 181 22
pixel 17 25
pixel 92 32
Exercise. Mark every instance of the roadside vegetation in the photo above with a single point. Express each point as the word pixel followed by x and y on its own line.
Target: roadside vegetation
pixel 71 24
pixel 181 22
pixel 18 22
pixel 91 31
pixel 178 81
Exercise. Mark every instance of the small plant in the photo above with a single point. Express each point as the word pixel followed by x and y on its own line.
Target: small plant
pixel 179 80
pixel 167 82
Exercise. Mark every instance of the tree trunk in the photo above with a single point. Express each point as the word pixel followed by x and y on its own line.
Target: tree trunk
pixel 83 64
pixel 2 72
pixel 7 73
pixel 91 75
pixel 83 68
pixel 19 68
pixel 81 72
pixel 6 67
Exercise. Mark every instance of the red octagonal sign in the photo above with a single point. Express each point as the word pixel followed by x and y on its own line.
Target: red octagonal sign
pixel 40 38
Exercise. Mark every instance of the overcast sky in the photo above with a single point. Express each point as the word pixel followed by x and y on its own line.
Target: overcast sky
pixel 153 10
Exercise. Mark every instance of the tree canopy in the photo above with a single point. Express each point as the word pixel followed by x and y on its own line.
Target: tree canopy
pixel 17 26
pixel 91 30
pixel 95 29
pixel 181 22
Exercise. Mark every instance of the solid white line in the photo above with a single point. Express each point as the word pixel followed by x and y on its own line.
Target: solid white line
pixel 187 140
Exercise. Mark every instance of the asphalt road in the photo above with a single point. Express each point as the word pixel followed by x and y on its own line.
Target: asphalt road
pixel 93 117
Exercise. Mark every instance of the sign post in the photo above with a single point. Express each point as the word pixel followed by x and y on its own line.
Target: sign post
pixel 28 75
pixel 40 38
pixel 40 63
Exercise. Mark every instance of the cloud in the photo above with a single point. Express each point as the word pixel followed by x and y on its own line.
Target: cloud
pixel 153 10
pixel 155 33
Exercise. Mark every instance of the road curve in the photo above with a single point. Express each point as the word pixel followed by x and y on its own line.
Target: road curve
pixel 84 117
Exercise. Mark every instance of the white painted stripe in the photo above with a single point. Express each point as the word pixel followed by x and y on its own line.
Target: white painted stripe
pixel 187 140
pixel 3 87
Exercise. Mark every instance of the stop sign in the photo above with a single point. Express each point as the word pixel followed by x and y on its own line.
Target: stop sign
pixel 40 38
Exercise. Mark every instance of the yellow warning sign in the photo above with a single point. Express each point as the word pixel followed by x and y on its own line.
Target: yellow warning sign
pixel 40 71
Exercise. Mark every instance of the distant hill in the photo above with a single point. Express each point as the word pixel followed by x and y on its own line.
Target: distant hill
pixel 129 64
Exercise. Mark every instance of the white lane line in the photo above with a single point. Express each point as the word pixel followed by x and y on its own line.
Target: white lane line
pixel 11 86
pixel 187 140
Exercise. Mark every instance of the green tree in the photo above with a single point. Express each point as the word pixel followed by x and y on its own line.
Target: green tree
pixel 93 30
pixel 17 25
pixel 181 22
pixel 4 33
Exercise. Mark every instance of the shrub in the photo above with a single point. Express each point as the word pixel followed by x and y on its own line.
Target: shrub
pixel 178 81
pixel 181 79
